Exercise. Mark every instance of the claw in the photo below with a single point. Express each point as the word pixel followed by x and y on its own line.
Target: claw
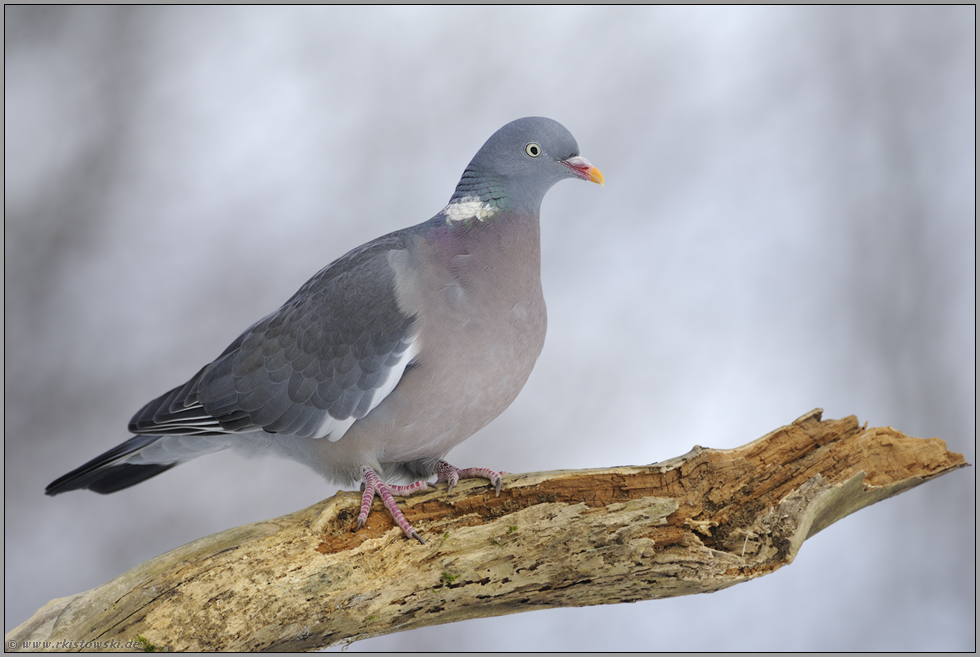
pixel 498 481
pixel 452 474
pixel 373 485
pixel 448 473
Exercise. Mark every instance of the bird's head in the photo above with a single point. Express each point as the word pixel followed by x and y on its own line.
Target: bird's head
pixel 520 163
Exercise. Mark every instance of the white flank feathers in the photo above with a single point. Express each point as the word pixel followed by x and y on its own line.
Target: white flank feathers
pixel 333 429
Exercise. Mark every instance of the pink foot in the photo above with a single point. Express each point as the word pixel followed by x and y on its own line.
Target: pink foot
pixel 452 474
pixel 373 485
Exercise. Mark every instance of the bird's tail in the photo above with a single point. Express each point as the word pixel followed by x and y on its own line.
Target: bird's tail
pixel 135 461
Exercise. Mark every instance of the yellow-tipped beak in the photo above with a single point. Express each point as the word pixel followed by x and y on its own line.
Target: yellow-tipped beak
pixel 596 176
pixel 584 169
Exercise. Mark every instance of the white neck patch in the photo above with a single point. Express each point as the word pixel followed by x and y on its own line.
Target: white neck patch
pixel 469 207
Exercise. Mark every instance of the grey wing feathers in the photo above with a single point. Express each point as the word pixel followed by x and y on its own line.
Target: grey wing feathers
pixel 324 359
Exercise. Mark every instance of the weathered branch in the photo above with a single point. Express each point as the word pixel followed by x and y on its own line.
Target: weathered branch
pixel 700 522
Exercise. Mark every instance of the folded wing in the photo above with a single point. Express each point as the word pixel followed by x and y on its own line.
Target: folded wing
pixel 323 360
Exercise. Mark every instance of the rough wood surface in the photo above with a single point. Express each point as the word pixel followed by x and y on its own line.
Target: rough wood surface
pixel 700 522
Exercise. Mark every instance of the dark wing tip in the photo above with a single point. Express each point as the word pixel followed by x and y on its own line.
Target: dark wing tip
pixel 106 480
pixel 105 474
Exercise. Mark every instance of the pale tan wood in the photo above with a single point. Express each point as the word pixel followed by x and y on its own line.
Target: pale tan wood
pixel 697 523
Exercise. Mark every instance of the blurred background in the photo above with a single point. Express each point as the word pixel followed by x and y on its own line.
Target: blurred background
pixel 788 222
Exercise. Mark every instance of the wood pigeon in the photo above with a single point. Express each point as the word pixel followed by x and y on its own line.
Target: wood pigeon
pixel 388 357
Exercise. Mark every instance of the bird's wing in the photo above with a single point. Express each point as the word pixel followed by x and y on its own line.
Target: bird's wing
pixel 327 357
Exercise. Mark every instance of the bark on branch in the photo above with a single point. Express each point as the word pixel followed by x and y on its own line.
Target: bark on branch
pixel 700 522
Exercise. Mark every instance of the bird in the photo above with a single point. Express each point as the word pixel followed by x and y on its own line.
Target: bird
pixel 386 358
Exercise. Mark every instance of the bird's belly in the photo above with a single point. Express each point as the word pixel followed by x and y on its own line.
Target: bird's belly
pixel 471 367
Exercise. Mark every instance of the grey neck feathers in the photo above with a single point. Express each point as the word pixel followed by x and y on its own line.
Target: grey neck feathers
pixel 499 193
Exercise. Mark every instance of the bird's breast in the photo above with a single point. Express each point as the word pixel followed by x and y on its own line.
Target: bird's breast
pixel 481 322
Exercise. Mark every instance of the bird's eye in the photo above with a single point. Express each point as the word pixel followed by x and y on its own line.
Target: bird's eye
pixel 532 149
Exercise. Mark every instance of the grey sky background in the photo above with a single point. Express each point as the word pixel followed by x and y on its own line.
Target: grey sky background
pixel 788 222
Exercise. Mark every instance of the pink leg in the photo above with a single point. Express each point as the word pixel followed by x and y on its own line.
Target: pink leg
pixel 373 485
pixel 446 472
